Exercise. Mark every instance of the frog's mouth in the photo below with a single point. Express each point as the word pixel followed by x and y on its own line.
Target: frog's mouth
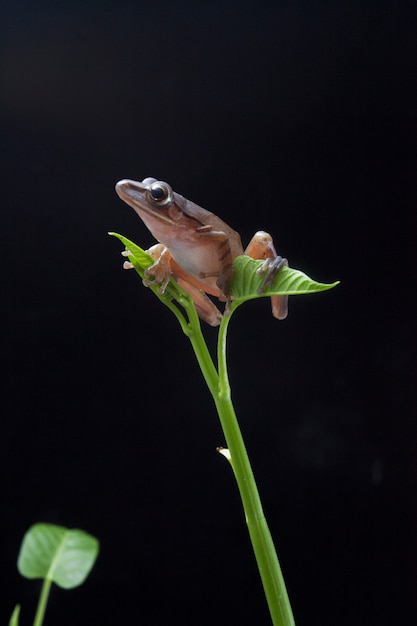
pixel 128 190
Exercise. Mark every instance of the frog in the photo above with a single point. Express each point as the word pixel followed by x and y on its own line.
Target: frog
pixel 196 248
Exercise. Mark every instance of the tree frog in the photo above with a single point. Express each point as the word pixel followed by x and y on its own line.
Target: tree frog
pixel 196 247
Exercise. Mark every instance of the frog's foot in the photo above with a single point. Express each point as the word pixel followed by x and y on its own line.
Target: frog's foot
pixel 127 265
pixel 270 267
pixel 157 275
pixel 160 272
pixel 154 277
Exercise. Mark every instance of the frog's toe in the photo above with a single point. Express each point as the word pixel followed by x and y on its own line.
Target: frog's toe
pixel 151 280
pixel 164 284
pixel 127 265
pixel 270 268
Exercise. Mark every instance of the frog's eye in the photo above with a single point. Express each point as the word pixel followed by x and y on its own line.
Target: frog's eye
pixel 160 193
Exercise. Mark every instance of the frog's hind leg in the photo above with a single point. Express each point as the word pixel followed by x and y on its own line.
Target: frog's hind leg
pixel 260 247
pixel 206 309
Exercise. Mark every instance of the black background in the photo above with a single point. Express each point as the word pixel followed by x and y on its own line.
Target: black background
pixel 295 117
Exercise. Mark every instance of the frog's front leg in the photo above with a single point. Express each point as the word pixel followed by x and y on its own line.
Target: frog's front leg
pixel 260 247
pixel 160 272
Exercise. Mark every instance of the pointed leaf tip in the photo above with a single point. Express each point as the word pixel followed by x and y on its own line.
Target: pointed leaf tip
pixel 288 281
pixel 14 619
pixel 139 258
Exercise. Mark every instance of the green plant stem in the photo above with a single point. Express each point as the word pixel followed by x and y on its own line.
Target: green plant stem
pixel 43 599
pixel 194 334
pixel 245 286
pixel 263 546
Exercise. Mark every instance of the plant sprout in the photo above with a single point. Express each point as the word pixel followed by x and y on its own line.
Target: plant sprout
pixel 57 555
pixel 245 286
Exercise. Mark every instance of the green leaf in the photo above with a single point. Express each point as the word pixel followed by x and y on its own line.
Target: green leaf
pixel 247 281
pixel 58 554
pixel 140 259
pixel 14 620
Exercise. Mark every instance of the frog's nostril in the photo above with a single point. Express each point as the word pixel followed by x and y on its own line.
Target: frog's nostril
pixel 120 187
pixel 127 187
pixel 122 184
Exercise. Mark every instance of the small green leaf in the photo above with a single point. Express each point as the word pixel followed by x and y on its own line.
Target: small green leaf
pixel 58 554
pixel 14 620
pixel 140 259
pixel 247 281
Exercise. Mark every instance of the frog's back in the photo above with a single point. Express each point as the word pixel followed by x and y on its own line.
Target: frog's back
pixel 207 218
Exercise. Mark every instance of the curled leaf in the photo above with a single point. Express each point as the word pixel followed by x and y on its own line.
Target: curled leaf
pixel 140 259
